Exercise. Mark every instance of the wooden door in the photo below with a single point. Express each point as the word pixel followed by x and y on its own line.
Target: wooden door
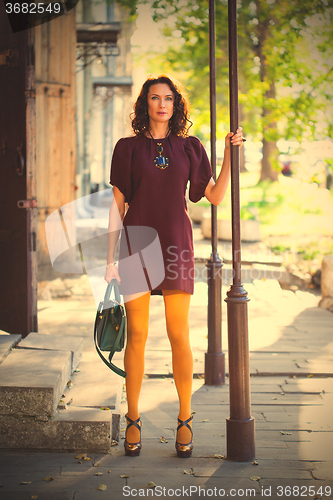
pixel 18 292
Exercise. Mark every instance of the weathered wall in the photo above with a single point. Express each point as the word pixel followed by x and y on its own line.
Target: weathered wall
pixel 55 46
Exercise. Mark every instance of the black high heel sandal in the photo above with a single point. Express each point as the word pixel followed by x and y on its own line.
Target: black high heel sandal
pixel 184 450
pixel 133 449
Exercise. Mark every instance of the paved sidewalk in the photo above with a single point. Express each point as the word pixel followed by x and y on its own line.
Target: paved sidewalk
pixel 291 352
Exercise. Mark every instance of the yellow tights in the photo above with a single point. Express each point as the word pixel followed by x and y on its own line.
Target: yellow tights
pixel 177 304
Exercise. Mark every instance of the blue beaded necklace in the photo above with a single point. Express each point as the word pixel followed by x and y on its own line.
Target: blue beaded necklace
pixel 160 161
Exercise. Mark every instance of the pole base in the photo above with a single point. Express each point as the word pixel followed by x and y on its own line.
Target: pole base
pixel 240 440
pixel 214 368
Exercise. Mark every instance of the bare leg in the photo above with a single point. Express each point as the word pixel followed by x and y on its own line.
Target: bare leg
pixel 137 312
pixel 177 305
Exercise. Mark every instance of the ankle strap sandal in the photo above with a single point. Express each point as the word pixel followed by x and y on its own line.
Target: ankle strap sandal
pixel 133 449
pixel 184 450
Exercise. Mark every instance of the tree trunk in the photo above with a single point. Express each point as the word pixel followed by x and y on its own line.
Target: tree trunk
pixel 269 149
pixel 269 155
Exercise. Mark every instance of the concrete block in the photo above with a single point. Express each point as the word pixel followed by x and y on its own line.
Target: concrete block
pixel 86 430
pixel 327 276
pixel 197 211
pixel 32 382
pixel 327 303
pixel 55 343
pixel 250 229
pixel 7 341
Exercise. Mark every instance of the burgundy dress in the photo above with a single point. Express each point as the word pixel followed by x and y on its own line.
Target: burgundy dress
pixel 156 249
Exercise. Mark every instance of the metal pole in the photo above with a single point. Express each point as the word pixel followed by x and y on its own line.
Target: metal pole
pixel 240 424
pixel 214 358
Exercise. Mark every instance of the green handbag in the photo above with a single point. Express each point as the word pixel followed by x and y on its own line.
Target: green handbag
pixel 110 326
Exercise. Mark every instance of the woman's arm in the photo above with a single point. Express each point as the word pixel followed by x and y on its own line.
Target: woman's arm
pixel 116 216
pixel 215 191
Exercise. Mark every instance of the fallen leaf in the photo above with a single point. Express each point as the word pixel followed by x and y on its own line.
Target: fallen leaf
pixel 114 442
pixel 218 456
pixel 163 439
pixel 70 401
pixel 122 430
pixel 109 472
pixel 25 482
pixel 82 455
pixel 189 472
pixel 98 473
pixel 97 465
pixel 151 485
pixel 34 497
pixel 310 375
pixel 77 370
pixel 123 476
pixel 48 478
pixel 69 384
pixel 274 398
pixel 285 433
pixel 255 462
pixel 222 435
pixel 86 459
pixel 102 487
pixel 105 408
pixel 255 478
pixel 206 420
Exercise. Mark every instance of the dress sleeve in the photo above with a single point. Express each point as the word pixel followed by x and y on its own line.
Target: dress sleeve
pixel 121 168
pixel 200 170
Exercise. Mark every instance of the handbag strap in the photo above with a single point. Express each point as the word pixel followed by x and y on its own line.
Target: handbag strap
pixel 115 286
pixel 109 364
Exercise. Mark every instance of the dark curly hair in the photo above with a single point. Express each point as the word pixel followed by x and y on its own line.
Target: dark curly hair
pixel 179 122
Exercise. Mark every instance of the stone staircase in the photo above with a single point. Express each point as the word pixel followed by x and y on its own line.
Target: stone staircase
pixel 41 396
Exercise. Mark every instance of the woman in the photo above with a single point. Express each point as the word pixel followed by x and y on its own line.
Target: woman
pixel 150 172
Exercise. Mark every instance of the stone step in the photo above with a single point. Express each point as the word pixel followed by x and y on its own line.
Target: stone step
pixel 32 382
pixel 94 385
pixel 88 430
pixel 7 342
pixel 34 378
pixel 42 341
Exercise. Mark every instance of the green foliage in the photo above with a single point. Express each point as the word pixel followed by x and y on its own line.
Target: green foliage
pixel 309 254
pixel 246 213
pixel 285 64
pixel 314 249
pixel 279 249
pixel 129 4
